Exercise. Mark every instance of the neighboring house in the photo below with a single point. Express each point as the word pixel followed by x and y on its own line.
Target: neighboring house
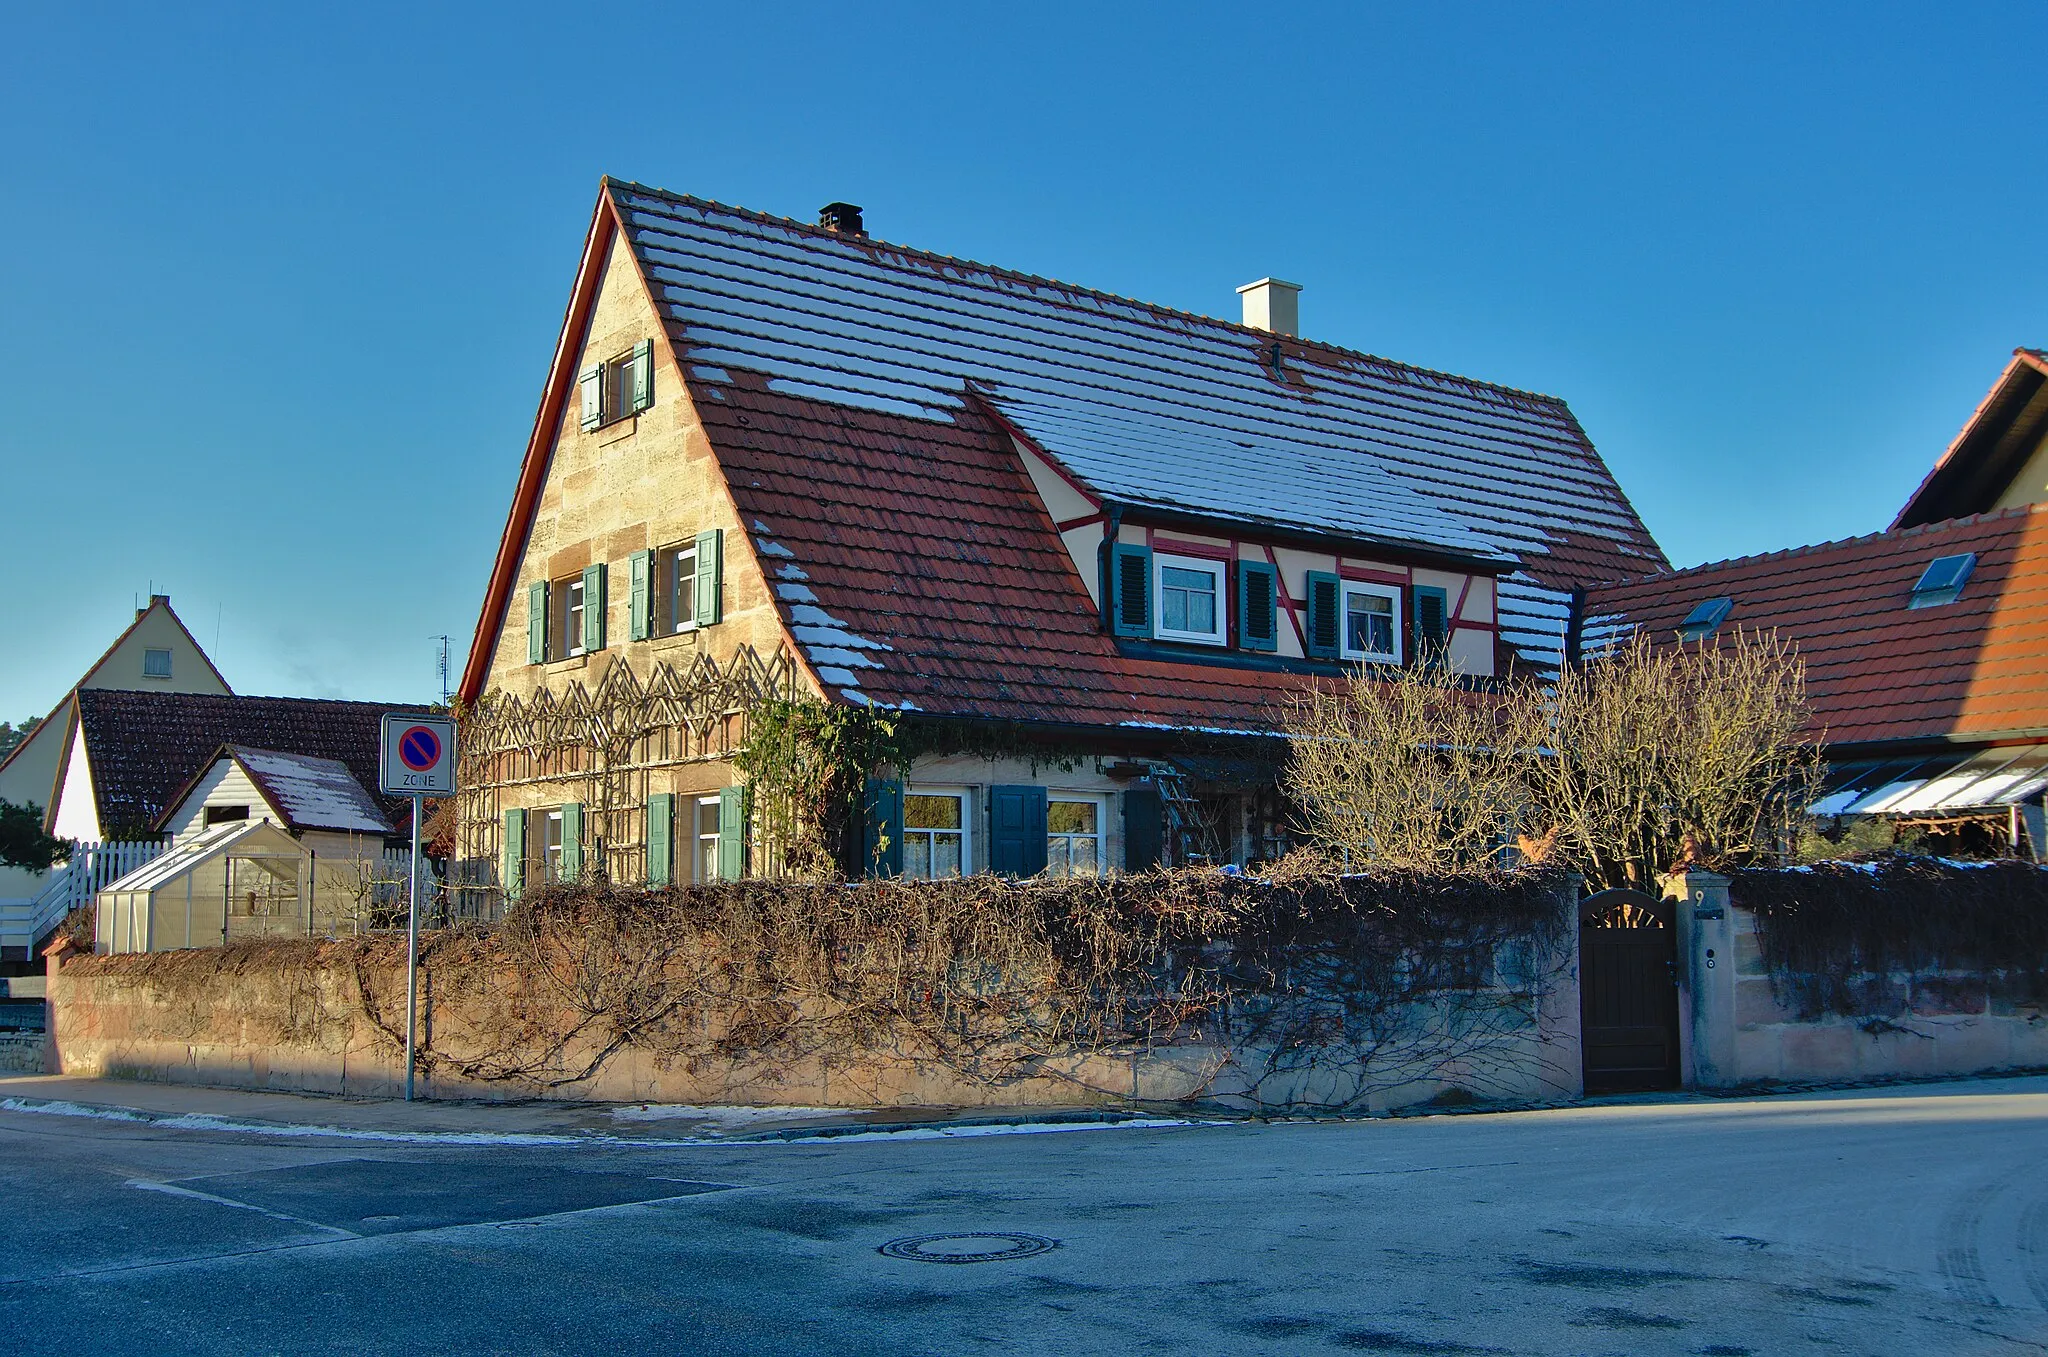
pixel 1091 546
pixel 136 754
pixel 263 843
pixel 155 654
pixel 1926 645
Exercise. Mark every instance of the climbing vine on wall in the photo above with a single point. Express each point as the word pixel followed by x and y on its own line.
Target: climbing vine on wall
pixel 1845 938
pixel 805 764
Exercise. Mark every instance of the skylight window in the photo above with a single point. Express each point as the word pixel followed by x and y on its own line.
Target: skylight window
pixel 1943 580
pixel 1704 619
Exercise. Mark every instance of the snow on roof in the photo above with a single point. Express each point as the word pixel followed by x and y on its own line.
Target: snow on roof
pixel 311 793
pixel 1146 406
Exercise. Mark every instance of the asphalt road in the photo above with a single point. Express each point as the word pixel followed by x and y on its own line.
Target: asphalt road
pixel 1907 1221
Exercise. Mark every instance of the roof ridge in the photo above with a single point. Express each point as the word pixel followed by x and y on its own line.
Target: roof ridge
pixel 1039 280
pixel 1786 553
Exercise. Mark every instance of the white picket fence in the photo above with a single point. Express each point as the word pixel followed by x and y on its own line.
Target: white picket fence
pixel 93 866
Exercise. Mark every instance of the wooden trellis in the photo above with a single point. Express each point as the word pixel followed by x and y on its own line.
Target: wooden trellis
pixel 598 749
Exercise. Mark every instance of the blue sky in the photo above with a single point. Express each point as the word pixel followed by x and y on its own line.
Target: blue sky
pixel 277 291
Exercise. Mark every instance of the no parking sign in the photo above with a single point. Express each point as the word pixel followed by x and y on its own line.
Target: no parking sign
pixel 418 755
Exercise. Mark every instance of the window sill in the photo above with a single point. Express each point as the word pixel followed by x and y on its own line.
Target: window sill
pixel 608 434
pixel 675 639
pixel 573 663
pixel 1187 638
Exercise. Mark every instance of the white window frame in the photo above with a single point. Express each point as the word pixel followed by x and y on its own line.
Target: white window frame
pixel 1351 589
pixel 551 844
pixel 1101 804
pixel 703 847
pixel 1216 570
pixel 678 587
pixel 573 604
pixel 965 796
pixel 151 654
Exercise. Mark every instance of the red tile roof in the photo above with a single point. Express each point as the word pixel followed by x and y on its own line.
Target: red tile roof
pixel 855 395
pixel 1974 669
pixel 917 568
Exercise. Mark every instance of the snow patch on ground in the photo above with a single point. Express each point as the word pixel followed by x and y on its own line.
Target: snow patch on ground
pixel 722 1117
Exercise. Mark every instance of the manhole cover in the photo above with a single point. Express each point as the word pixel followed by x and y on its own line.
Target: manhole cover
pixel 986 1247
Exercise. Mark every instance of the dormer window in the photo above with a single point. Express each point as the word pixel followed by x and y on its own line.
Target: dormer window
pixel 156 664
pixel 619 388
pixel 1943 580
pixel 1372 622
pixel 1705 619
pixel 1190 594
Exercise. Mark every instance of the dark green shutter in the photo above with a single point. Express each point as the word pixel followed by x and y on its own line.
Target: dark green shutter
pixel 593 607
pixel 537 622
pixel 1130 588
pixel 1258 607
pixel 572 842
pixel 1016 832
pixel 591 385
pixel 643 375
pixel 661 839
pixel 513 852
pixel 1325 616
pixel 1432 622
pixel 1144 826
pixel 642 585
pixel 710 578
pixel 732 833
pixel 882 828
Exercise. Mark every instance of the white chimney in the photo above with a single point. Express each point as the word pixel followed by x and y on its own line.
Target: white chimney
pixel 1272 305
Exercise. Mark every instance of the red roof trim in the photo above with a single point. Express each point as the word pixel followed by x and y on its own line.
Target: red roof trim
pixel 490 623
pixel 2021 358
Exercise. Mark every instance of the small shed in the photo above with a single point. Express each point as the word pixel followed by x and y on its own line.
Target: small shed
pixel 263 844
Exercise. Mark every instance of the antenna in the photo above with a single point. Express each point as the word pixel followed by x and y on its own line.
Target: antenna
pixel 443 655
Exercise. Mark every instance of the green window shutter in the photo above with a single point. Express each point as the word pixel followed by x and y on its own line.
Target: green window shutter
pixel 1325 616
pixel 643 375
pixel 593 607
pixel 1432 622
pixel 1016 830
pixel 1258 607
pixel 1130 589
pixel 513 850
pixel 537 622
pixel 1144 826
pixel 661 839
pixel 642 585
pixel 591 384
pixel 572 842
pixel 882 829
pixel 710 578
pixel 732 833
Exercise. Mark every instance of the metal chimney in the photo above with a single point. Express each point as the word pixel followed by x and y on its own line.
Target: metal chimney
pixel 1272 305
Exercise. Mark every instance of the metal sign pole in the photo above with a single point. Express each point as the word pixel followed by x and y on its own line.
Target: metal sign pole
pixel 412 949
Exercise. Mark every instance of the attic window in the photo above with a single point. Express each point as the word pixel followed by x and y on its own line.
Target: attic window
pixel 619 388
pixel 1704 619
pixel 220 815
pixel 156 664
pixel 1943 580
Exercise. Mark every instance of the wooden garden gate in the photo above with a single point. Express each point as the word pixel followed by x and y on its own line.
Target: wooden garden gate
pixel 1628 991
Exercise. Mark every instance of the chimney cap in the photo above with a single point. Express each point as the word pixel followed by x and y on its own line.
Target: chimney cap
pixel 843 218
pixel 1270 282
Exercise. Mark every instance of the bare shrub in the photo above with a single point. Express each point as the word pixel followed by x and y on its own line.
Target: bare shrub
pixel 1657 757
pixel 1649 758
pixel 1404 770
